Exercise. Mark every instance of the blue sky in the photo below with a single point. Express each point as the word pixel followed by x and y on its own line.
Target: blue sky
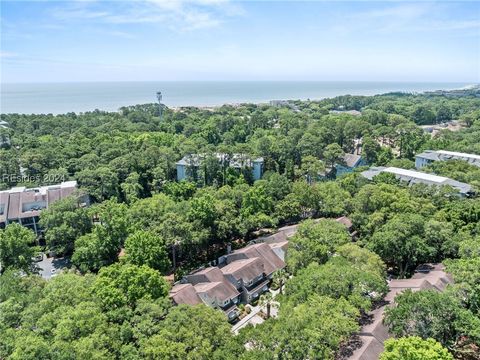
pixel 60 41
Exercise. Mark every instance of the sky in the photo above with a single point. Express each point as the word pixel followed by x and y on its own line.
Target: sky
pixel 58 41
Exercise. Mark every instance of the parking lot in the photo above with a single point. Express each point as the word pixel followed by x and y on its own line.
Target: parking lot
pixel 49 267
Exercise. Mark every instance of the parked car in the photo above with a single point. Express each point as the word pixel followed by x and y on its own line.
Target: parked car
pixel 38 258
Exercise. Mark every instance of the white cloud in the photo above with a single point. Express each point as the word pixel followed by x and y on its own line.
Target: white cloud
pixel 180 15
pixel 7 55
pixel 409 17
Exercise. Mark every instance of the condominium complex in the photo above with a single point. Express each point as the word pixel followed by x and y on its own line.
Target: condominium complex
pixel 415 177
pixel 240 277
pixel 22 205
pixel 429 156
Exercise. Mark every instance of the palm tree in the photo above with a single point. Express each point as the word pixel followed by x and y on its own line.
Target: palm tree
pixel 266 300
pixel 280 277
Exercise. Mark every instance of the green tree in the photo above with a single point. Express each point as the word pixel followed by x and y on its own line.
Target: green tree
pixel 147 248
pixel 312 330
pixel 315 241
pixel 124 284
pixel 333 153
pixel 101 183
pixel 338 278
pixel 192 333
pixel 266 300
pixel 16 248
pixel 131 187
pixel 430 314
pixel 64 221
pixel 312 169
pixel 400 242
pixel 414 348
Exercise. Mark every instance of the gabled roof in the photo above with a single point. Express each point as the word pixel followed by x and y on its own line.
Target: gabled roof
pixel 25 203
pixel 211 275
pixel 185 294
pixel 246 269
pixel 217 290
pixel 270 261
pixel 282 245
pixel 370 350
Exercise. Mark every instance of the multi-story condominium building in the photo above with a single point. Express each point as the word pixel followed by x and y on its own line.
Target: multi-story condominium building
pixel 429 156
pixel 248 277
pixel 241 277
pixel 24 205
pixel 415 177
pixel 214 290
pixel 188 167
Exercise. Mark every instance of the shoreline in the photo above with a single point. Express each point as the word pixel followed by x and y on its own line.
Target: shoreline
pixel 81 98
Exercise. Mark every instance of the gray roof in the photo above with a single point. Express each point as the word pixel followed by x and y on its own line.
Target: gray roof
pixel 217 290
pixel 270 261
pixel 351 160
pixel 443 155
pixel 245 269
pixel 414 177
pixel 185 294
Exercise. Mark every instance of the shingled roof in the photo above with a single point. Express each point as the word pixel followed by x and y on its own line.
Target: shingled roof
pixel 185 294
pixel 217 290
pixel 271 262
pixel 245 270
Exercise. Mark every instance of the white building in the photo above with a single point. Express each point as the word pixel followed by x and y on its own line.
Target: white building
pixel 415 177
pixel 23 206
pixel 429 156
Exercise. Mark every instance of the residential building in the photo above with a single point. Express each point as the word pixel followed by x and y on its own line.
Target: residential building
pixel 415 177
pixel 188 166
pixel 3 124
pixel 219 294
pixel 24 205
pixel 184 294
pixel 271 262
pixel 429 156
pixel 248 277
pixel 350 162
pixel 241 277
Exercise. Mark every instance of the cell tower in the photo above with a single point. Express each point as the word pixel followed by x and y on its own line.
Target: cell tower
pixel 160 105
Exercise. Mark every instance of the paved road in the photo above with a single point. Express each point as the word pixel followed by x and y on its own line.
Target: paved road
pixel 48 264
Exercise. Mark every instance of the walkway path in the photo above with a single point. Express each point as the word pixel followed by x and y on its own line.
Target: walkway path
pixel 253 318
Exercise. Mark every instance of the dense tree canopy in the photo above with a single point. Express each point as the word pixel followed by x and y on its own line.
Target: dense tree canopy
pixel 111 307
pixel 414 348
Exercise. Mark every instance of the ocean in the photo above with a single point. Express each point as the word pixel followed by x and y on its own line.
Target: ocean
pixel 57 98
